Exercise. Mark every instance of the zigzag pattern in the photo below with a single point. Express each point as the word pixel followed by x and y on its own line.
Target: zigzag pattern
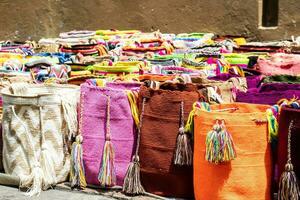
pixel 18 155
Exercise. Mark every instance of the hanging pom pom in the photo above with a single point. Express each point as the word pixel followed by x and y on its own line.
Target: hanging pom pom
pixel 37 180
pixel 47 165
pixel 77 174
pixel 288 185
pixel 227 150
pixel 213 145
pixel 132 182
pixel 219 144
pixel 46 160
pixel 183 150
pixel 107 175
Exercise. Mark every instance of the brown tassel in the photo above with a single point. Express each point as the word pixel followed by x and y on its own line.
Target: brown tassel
pixel 132 182
pixel 288 185
pixel 183 150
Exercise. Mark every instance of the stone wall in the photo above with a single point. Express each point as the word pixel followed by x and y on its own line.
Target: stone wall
pixel 33 19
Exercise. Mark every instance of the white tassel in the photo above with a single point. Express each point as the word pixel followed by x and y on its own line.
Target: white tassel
pixel 36 173
pixel 46 161
pixel 37 177
pixel 70 116
pixel 48 167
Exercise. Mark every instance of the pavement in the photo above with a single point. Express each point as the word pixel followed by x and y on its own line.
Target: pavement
pixel 63 192
pixel 10 193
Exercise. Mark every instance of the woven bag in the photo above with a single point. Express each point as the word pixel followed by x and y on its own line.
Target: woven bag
pixel 38 121
pixel 269 93
pixel 248 175
pixel 159 132
pixel 5 81
pixel 280 64
pixel 224 91
pixel 108 129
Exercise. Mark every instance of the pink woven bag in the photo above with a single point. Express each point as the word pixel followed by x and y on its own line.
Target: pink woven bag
pixel 280 63
pixel 108 132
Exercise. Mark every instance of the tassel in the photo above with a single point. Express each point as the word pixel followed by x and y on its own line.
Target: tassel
pixel 288 185
pixel 107 175
pixel 37 173
pixel 47 162
pixel 212 145
pixel 37 177
pixel 183 149
pixel 227 150
pixel 77 173
pixel 219 145
pixel 70 116
pixel 47 166
pixel 132 182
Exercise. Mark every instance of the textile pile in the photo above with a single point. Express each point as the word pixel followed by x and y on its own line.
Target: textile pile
pixel 190 115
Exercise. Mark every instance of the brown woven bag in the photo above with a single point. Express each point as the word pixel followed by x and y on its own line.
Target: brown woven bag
pixel 159 132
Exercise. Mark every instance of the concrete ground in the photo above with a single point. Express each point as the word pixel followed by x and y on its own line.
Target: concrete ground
pixel 63 192
pixel 10 193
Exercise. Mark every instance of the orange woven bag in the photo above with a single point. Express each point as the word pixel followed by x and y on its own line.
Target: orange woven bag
pixel 248 175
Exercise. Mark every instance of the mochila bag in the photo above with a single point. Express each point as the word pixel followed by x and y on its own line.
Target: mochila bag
pixel 5 81
pixel 157 46
pixel 232 154
pixel 269 93
pixel 108 131
pixel 223 91
pixel 253 81
pixel 38 123
pixel 165 151
pixel 280 64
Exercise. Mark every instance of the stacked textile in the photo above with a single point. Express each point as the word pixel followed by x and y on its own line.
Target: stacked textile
pixel 189 115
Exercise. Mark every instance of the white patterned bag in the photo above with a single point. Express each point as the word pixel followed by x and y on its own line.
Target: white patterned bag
pixel 38 122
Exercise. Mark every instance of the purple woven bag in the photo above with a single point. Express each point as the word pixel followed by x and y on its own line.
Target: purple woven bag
pixel 253 81
pixel 269 93
pixel 95 102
